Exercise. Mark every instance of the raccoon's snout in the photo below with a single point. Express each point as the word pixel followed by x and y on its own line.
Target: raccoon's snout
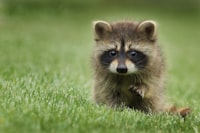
pixel 121 68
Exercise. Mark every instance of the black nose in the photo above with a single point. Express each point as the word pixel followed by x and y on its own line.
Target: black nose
pixel 122 69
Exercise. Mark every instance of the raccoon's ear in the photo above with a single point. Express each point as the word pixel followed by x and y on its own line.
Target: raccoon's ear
pixel 101 29
pixel 148 29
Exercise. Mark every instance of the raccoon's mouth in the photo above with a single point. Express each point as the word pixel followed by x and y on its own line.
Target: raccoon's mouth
pixel 123 69
pixel 123 72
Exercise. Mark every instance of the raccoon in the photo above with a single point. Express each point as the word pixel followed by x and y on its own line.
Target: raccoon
pixel 129 67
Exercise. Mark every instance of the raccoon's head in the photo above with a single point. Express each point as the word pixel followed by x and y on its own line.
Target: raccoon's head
pixel 125 47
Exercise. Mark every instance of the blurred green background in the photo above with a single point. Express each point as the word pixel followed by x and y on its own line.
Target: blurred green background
pixel 45 73
pixel 170 5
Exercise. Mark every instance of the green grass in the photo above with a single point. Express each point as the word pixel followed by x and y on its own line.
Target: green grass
pixel 45 74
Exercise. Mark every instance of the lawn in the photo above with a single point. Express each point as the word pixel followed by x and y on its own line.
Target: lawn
pixel 46 77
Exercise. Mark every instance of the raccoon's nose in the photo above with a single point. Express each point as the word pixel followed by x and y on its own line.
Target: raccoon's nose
pixel 122 68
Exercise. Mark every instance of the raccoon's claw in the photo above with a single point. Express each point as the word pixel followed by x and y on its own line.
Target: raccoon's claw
pixel 136 90
pixel 140 92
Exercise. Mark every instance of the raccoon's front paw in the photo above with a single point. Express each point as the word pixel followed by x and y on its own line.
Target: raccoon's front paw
pixel 137 91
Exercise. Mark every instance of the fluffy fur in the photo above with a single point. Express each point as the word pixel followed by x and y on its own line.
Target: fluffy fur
pixel 129 67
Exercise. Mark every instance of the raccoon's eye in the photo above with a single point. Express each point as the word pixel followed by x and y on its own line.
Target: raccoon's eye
pixel 113 53
pixel 133 53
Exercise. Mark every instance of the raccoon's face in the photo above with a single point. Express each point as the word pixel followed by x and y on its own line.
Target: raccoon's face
pixel 123 62
pixel 126 47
